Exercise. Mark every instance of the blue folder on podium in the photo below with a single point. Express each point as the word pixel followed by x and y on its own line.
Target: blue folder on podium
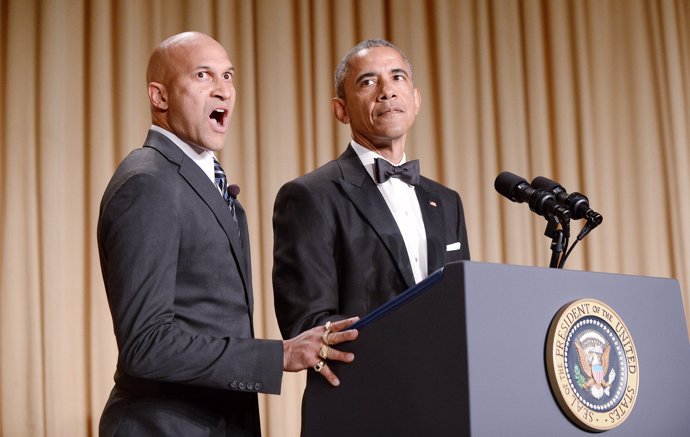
pixel 462 353
pixel 401 299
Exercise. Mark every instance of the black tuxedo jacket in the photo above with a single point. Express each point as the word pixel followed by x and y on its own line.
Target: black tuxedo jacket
pixel 178 281
pixel 338 251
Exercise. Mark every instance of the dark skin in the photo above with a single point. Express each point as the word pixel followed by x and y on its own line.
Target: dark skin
pixel 380 103
pixel 299 353
pixel 192 94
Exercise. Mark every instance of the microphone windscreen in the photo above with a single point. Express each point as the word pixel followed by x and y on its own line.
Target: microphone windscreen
pixel 506 182
pixel 544 183
pixel 233 190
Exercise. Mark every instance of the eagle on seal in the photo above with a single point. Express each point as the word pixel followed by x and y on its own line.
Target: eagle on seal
pixel 593 354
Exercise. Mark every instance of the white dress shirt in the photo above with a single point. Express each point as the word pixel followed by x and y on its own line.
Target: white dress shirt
pixel 404 205
pixel 204 159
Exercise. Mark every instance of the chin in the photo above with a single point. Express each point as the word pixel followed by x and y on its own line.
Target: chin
pixel 393 134
pixel 215 145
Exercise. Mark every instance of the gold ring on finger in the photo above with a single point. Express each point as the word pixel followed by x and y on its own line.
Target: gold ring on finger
pixel 326 332
pixel 323 353
pixel 318 366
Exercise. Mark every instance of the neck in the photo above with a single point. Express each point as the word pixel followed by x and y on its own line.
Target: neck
pixel 392 150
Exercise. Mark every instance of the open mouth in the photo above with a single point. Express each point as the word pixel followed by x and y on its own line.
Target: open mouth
pixel 219 116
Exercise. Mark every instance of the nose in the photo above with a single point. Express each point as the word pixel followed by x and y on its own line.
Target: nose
pixel 387 90
pixel 223 89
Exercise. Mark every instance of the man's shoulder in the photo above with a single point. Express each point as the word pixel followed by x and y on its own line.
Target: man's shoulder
pixel 319 176
pixel 144 168
pixel 346 166
pixel 320 186
pixel 143 160
pixel 433 186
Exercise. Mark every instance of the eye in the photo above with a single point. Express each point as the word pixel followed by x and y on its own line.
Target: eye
pixel 367 82
pixel 227 76
pixel 202 74
pixel 399 77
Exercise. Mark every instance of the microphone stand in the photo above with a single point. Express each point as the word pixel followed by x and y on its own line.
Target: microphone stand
pixel 559 239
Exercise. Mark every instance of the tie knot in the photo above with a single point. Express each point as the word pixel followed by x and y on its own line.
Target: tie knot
pixel 218 170
pixel 407 172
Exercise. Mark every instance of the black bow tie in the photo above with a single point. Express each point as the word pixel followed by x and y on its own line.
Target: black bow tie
pixel 407 172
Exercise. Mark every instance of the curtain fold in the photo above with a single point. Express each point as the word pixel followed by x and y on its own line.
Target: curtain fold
pixel 594 94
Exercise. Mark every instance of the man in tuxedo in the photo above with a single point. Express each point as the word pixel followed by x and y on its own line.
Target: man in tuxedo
pixel 359 230
pixel 174 250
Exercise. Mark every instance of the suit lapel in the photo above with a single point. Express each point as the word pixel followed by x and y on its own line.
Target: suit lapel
pixel 210 195
pixel 201 184
pixel 244 231
pixel 365 196
pixel 434 225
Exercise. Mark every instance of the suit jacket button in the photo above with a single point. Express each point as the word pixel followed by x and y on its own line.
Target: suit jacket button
pixel 243 385
pixel 250 386
pixel 258 386
pixel 233 384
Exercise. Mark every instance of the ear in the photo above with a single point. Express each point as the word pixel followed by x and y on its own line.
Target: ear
pixel 417 101
pixel 158 96
pixel 340 110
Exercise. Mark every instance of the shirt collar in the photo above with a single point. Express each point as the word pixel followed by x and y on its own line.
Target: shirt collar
pixel 204 159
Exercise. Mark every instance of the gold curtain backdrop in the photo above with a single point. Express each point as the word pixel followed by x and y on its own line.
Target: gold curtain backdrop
pixel 592 93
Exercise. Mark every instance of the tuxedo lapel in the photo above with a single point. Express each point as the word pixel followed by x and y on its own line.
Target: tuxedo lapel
pixel 365 196
pixel 434 225
pixel 201 184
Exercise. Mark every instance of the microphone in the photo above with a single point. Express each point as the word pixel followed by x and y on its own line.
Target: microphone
pixel 577 203
pixel 540 201
pixel 233 190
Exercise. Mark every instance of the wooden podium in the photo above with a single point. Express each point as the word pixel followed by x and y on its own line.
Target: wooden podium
pixel 463 354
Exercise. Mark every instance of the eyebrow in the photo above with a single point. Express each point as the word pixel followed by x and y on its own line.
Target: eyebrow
pixel 369 74
pixel 400 71
pixel 208 67
pixel 363 76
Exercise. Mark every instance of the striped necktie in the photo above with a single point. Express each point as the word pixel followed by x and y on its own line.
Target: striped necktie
pixel 222 184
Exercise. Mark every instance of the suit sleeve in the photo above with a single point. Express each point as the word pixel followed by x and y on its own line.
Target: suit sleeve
pixel 304 273
pixel 138 234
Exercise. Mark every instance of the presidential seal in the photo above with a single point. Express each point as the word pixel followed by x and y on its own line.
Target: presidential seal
pixel 592 365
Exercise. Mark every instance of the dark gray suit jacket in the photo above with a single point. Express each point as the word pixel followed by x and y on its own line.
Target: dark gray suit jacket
pixel 338 251
pixel 178 281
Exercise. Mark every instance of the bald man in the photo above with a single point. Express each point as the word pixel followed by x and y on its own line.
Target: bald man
pixel 174 250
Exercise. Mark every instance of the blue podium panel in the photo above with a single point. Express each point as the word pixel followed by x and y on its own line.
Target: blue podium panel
pixel 464 355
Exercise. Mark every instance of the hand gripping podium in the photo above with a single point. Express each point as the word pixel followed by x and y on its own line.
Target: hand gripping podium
pixel 464 353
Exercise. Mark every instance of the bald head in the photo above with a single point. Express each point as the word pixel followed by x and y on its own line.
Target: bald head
pixel 165 57
pixel 191 90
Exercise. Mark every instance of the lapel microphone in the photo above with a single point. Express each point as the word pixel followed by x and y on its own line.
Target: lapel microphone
pixel 233 190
